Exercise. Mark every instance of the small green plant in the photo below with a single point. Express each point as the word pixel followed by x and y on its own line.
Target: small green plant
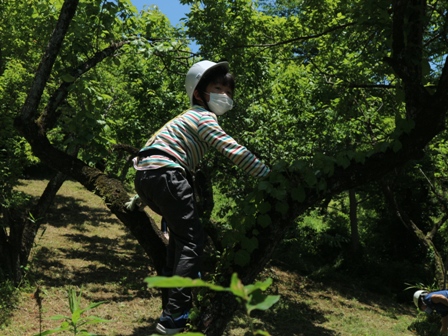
pixel 76 322
pixel 429 288
pixel 251 295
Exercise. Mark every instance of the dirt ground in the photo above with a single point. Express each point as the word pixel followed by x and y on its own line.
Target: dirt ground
pixel 81 246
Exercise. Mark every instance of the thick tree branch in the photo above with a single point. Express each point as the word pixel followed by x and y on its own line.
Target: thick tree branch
pixel 126 148
pixel 50 115
pixel 43 72
pixel 436 226
pixel 142 227
pixel 439 197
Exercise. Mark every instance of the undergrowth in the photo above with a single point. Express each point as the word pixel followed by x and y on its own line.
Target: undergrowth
pixel 9 300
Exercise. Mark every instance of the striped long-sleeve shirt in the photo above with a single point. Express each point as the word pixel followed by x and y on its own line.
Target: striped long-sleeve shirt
pixel 189 136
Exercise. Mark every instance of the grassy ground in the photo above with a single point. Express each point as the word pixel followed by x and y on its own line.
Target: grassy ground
pixel 82 246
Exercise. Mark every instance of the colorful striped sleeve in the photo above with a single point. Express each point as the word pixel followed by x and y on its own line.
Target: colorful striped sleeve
pixel 178 138
pixel 210 132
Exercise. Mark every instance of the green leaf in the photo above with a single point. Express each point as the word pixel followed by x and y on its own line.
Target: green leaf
pixel 94 305
pixel 322 185
pixel 67 78
pixel 279 193
pixel 177 281
pixel 242 258
pixel 396 146
pixel 264 207
pixel 261 301
pixel 298 165
pixel 76 315
pixel 264 220
pixel 310 179
pixel 237 287
pixel 250 209
pixel 282 207
pixel 262 285
pixel 265 185
pixel 298 194
pixel 249 244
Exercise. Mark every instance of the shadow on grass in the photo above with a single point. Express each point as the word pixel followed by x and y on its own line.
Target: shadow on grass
pixel 150 329
pixel 426 325
pixel 76 212
pixel 103 261
pixel 116 254
pixel 293 318
pixel 90 256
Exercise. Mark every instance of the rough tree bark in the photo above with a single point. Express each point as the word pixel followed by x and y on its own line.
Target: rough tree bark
pixel 427 111
pixel 426 240
pixel 16 247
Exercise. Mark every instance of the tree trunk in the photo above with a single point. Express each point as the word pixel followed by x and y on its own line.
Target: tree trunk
pixel 354 221
pixel 10 246
pixel 439 268
pixel 31 226
pixel 444 275
pixel 217 308
pixel 15 248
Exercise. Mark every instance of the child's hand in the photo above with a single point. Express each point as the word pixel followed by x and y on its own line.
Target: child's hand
pixel 133 203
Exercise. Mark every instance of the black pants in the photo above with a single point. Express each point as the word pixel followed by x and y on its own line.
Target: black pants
pixel 170 194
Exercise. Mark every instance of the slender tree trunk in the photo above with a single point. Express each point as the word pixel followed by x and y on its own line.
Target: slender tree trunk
pixel 439 268
pixel 15 249
pixel 10 246
pixel 39 211
pixel 444 274
pixel 354 232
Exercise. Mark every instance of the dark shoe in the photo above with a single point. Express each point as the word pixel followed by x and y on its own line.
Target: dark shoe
pixel 169 326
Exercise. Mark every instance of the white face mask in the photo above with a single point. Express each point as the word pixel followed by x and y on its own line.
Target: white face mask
pixel 220 103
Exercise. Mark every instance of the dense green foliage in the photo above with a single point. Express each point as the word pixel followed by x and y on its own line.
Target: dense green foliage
pixel 313 86
pixel 315 93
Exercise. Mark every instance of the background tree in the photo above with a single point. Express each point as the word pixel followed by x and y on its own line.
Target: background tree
pixel 96 95
pixel 353 95
pixel 332 94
